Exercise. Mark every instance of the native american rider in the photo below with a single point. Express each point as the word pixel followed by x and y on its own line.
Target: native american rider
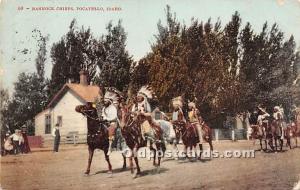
pixel 278 116
pixel 178 115
pixel 110 113
pixel 194 119
pixel 143 109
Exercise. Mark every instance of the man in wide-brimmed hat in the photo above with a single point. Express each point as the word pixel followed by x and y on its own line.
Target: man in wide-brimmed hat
pixel 262 120
pixel 56 135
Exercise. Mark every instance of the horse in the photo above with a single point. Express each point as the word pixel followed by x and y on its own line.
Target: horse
pixel 260 135
pixel 131 131
pixel 169 134
pixel 97 135
pixel 274 133
pixel 189 136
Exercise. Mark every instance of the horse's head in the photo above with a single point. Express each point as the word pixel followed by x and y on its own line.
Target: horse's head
pixel 87 110
pixel 127 117
pixel 80 108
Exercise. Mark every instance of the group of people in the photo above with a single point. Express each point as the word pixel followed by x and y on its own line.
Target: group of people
pixel 141 107
pixel 262 118
pixel 16 143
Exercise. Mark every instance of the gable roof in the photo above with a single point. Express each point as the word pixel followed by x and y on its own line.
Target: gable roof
pixel 87 93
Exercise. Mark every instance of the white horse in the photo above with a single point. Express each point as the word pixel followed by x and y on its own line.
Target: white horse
pixel 168 133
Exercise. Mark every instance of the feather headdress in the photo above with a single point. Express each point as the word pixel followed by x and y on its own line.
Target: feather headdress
pixel 146 91
pixel 177 102
pixel 112 95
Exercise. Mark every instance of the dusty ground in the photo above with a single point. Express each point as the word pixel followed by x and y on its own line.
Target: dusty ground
pixel 43 169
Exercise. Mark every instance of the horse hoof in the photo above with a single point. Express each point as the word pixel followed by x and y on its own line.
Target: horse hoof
pixel 110 174
pixel 136 175
pixel 86 174
pixel 158 169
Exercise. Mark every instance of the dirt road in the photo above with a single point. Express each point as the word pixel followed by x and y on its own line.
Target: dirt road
pixel 43 169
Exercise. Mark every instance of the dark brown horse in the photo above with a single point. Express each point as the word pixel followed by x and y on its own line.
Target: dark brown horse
pixel 257 134
pixel 188 134
pixel 274 132
pixel 131 131
pixel 97 135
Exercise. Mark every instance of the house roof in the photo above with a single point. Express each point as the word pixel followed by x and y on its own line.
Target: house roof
pixel 87 93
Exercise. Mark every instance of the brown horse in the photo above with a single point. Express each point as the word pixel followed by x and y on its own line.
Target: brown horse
pixel 256 134
pixel 131 131
pixel 97 135
pixel 274 132
pixel 188 134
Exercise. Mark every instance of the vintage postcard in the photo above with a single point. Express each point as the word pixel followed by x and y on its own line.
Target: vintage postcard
pixel 150 94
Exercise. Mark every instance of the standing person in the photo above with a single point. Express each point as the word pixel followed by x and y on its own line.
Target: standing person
pixel 25 147
pixel 16 140
pixel 56 135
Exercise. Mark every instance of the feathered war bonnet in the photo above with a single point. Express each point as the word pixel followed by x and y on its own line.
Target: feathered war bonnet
pixel 112 95
pixel 177 102
pixel 146 92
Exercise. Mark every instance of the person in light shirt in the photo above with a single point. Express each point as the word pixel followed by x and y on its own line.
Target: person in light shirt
pixel 17 140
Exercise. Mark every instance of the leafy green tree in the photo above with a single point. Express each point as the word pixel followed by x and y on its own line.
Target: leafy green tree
pixel 30 92
pixel 113 60
pixel 75 51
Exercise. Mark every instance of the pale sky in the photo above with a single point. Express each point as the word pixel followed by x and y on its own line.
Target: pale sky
pixel 139 18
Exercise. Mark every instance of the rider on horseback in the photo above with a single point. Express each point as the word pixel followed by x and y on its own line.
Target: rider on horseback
pixel 178 115
pixel 110 113
pixel 194 119
pixel 262 121
pixel 143 109
pixel 278 116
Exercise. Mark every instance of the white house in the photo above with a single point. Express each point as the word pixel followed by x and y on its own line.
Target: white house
pixel 61 109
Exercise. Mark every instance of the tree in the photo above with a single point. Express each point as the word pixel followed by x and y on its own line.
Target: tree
pixel 113 60
pixel 75 51
pixel 30 92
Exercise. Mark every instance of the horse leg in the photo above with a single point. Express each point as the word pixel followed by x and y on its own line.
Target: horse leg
pixel 288 140
pixel 281 144
pixel 154 153
pixel 137 167
pixel 91 153
pixel 131 164
pixel 107 160
pixel 260 142
pixel 124 161
pixel 160 147
pixel 275 140
pixel 135 149
pixel 211 145
pixel 266 145
pixel 201 150
pixel 175 149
